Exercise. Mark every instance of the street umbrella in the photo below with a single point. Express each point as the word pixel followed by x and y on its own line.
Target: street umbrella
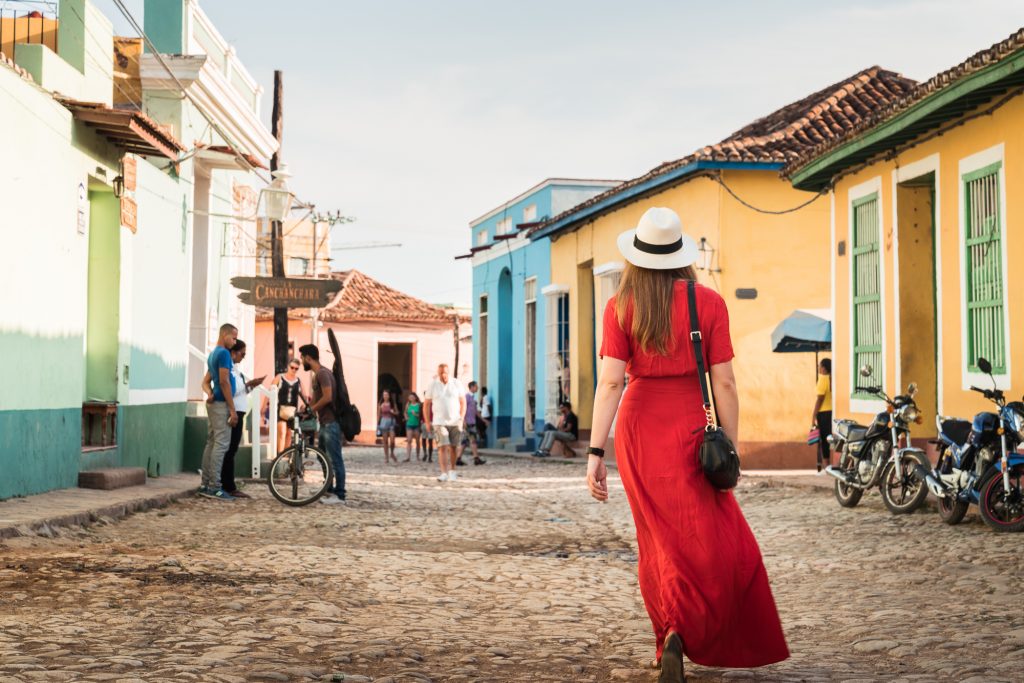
pixel 803 331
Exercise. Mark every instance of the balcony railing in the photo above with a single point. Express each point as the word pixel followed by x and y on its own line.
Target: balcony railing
pixel 206 39
pixel 26 27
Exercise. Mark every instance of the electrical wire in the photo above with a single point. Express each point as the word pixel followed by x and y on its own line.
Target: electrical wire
pixel 717 177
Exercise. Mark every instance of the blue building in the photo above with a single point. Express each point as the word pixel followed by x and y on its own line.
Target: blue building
pixel 510 330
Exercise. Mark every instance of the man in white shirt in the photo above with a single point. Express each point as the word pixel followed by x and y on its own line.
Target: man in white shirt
pixel 444 411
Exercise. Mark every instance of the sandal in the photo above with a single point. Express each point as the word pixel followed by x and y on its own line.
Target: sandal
pixel 672 660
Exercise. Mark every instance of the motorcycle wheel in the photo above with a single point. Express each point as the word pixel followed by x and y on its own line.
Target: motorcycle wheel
pixel 902 491
pixel 848 496
pixel 1001 511
pixel 952 511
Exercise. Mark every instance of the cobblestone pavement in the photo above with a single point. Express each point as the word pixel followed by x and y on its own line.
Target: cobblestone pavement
pixel 510 574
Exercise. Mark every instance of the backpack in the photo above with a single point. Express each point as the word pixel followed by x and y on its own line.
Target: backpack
pixel 350 421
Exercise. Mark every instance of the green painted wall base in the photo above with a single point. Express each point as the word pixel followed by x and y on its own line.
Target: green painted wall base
pixel 99 460
pixel 39 450
pixel 153 437
pixel 195 443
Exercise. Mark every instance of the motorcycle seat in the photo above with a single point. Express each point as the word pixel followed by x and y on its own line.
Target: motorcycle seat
pixel 956 430
pixel 850 430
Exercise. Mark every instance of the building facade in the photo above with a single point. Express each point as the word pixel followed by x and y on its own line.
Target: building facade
pixel 924 235
pixel 521 351
pixel 127 238
pixel 388 340
pixel 763 248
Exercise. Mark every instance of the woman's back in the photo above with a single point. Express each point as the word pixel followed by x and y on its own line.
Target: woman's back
pixel 713 317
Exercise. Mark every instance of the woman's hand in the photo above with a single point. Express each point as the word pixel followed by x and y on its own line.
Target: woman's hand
pixel 597 478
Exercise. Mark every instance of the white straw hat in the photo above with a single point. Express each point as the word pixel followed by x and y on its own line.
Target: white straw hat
pixel 658 242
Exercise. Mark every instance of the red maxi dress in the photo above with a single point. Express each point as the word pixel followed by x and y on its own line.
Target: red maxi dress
pixel 701 573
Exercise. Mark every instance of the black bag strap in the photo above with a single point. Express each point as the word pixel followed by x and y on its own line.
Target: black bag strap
pixel 698 350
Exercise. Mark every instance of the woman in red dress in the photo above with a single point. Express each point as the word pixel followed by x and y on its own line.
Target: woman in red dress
pixel 701 574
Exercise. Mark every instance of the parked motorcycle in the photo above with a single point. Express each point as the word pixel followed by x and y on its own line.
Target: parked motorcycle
pixel 970 471
pixel 973 457
pixel 880 454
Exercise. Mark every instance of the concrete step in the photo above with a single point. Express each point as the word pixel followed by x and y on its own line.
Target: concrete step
pixel 112 478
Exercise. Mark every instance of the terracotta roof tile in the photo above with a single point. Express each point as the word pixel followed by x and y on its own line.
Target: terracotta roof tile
pixel 787 133
pixel 363 299
pixel 886 107
pixel 8 62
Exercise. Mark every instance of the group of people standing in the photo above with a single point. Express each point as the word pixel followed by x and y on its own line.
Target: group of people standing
pixel 227 403
pixel 450 417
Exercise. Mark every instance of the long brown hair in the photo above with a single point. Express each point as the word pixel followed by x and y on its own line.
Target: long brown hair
pixel 651 293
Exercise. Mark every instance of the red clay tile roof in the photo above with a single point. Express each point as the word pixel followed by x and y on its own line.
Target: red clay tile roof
pixel 941 81
pixel 133 130
pixel 363 299
pixel 786 133
pixel 8 62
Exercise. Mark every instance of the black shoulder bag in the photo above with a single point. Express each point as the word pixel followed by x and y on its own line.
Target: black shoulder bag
pixel 717 454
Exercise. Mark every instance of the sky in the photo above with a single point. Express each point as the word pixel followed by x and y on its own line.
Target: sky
pixel 416 117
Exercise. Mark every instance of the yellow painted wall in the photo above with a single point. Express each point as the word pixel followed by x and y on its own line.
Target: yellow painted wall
pixel 1000 128
pixel 784 257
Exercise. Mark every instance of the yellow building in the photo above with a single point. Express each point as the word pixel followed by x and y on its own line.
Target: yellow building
pixel 925 234
pixel 764 264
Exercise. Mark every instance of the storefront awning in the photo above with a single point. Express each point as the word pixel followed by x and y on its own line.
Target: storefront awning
pixel 131 130
pixel 805 330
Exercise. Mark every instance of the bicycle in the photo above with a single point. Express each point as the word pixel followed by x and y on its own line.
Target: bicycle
pixel 300 474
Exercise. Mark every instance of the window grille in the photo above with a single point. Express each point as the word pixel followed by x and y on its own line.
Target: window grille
pixel 867 290
pixel 984 265
pixel 530 295
pixel 558 376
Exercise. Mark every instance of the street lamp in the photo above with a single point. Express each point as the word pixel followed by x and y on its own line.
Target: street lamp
pixel 277 198
pixel 707 254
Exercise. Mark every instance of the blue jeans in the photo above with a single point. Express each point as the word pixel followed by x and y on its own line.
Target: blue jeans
pixel 330 441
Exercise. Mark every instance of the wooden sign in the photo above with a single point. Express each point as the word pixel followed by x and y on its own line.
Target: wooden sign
pixel 129 213
pixel 286 292
pixel 129 172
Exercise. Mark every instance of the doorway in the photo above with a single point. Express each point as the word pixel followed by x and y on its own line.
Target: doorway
pixel 503 407
pixel 394 372
pixel 915 223
pixel 104 296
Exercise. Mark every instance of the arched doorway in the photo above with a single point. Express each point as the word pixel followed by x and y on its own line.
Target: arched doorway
pixel 503 392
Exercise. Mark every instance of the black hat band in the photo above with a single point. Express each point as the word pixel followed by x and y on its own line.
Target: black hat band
pixel 649 248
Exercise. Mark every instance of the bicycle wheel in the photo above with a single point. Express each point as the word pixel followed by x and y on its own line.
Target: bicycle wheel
pixel 299 478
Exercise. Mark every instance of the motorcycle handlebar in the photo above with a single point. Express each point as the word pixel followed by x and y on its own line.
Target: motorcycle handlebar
pixel 870 390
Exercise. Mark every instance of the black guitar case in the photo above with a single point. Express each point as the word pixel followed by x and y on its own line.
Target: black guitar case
pixel 347 412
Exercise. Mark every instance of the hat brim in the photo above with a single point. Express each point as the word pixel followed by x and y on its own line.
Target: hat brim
pixel 686 255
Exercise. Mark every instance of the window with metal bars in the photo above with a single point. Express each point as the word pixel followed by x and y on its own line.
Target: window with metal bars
pixel 530 295
pixel 557 375
pixel 983 262
pixel 867 289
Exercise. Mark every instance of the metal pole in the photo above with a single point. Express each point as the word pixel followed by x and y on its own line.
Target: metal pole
pixel 276 233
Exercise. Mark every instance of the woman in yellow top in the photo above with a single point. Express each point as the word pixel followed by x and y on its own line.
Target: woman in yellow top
pixel 822 418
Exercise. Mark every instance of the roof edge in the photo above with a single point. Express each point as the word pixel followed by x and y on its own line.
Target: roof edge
pixel 540 186
pixel 819 170
pixel 673 176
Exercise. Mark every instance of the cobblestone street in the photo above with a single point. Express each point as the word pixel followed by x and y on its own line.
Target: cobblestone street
pixel 511 574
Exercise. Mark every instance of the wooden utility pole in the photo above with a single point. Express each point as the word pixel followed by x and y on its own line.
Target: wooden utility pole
pixel 456 333
pixel 276 232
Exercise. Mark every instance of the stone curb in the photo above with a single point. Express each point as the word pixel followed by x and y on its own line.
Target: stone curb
pixel 91 516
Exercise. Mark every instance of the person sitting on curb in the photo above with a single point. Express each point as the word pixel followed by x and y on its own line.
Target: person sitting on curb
pixel 567 431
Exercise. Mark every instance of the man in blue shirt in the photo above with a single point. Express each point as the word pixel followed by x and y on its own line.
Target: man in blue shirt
pixel 219 384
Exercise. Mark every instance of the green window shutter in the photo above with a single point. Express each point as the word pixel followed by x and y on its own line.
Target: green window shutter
pixel 867 288
pixel 984 264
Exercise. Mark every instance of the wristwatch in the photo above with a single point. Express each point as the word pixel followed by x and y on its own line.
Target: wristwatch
pixel 599 452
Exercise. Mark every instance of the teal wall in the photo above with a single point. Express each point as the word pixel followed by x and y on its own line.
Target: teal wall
pixel 39 450
pixel 153 437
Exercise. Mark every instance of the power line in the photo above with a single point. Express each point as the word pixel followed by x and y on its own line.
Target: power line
pixel 718 179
